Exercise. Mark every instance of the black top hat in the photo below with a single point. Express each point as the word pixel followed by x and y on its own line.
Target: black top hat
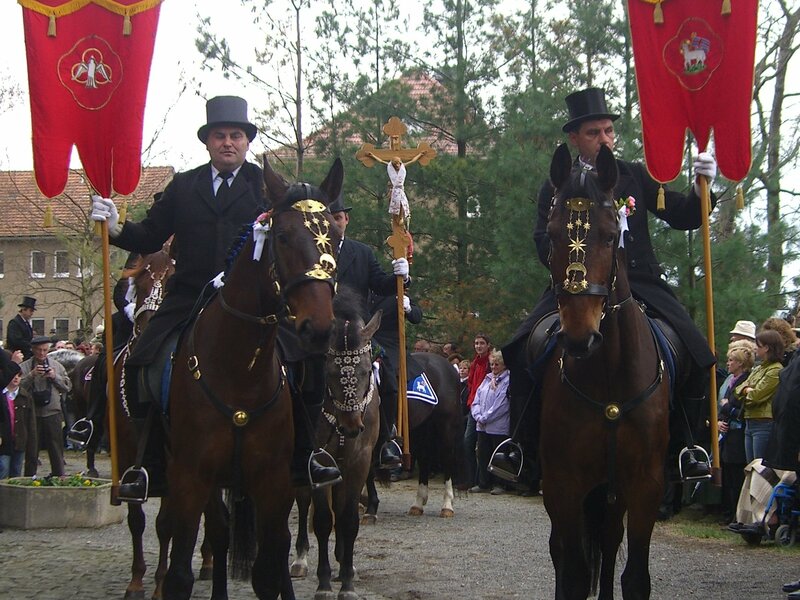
pixel 28 302
pixel 226 110
pixel 338 205
pixel 41 339
pixel 586 105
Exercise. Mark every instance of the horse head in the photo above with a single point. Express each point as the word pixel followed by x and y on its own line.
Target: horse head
pixel 148 277
pixel 584 232
pixel 348 367
pixel 303 242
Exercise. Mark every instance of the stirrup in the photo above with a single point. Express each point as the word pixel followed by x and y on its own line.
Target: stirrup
pixel 329 462
pixel 697 453
pixel 134 476
pixel 507 471
pixel 79 437
pixel 397 454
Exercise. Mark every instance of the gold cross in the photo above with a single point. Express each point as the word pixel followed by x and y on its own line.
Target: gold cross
pixel 395 129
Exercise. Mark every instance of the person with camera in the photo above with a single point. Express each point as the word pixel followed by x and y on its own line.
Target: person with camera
pixel 45 381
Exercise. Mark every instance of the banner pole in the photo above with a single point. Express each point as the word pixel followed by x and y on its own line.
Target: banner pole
pixel 705 207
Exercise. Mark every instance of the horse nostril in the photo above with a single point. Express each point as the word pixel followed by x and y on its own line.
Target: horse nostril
pixel 361 429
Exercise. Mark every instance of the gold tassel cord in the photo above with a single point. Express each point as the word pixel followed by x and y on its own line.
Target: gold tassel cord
pixel 661 204
pixel 126 25
pixel 48 216
pixel 658 14
pixel 739 197
pixel 51 26
pixel 123 212
pixel 726 7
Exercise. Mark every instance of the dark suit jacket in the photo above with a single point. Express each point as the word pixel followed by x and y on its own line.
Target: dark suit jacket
pixel 357 267
pixel 644 271
pixel 19 336
pixel 204 232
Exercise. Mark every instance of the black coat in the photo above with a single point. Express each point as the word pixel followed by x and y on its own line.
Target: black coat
pixel 19 336
pixel 357 268
pixel 388 336
pixel 203 232
pixel 784 442
pixel 681 212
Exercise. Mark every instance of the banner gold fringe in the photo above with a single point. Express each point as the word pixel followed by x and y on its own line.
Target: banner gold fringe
pixel 658 14
pixel 739 197
pixel 123 212
pixel 660 204
pixel 726 7
pixel 48 216
pixel 72 6
pixel 51 26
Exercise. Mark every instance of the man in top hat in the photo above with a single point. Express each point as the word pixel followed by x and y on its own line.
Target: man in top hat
pixel 203 209
pixel 20 331
pixel 590 126
pixel 357 268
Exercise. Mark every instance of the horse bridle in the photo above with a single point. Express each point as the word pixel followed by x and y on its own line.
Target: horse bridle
pixel 346 361
pixel 156 295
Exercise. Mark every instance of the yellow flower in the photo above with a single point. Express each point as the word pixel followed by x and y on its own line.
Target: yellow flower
pixel 87 482
pixel 37 483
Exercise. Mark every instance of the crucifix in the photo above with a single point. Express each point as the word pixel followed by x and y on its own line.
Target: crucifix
pixel 395 157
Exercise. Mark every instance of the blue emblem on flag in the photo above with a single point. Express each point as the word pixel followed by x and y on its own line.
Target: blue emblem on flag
pixel 422 390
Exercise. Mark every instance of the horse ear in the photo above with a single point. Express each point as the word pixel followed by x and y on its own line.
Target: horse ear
pixel 370 328
pixel 607 172
pixel 333 180
pixel 275 186
pixel 560 166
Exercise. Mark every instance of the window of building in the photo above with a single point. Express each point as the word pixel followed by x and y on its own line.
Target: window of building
pixel 2 265
pixel 62 328
pixel 61 264
pixel 38 326
pixel 85 267
pixel 37 264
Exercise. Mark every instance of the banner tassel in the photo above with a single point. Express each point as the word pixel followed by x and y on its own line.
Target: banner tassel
pixel 48 216
pixel 739 197
pixel 123 212
pixel 726 7
pixel 660 205
pixel 126 25
pixel 51 26
pixel 658 14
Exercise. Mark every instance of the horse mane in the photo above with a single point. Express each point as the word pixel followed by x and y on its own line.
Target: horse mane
pixel 348 306
pixel 236 246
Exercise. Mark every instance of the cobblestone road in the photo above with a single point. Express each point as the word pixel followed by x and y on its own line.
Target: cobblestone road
pixel 495 547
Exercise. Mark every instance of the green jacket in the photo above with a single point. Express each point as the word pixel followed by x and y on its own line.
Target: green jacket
pixel 764 381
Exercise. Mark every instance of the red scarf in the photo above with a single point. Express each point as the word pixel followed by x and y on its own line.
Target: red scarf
pixel 477 373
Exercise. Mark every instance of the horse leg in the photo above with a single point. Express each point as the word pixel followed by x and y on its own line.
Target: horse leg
pixel 273 500
pixel 613 530
pixel 136 523
pixel 641 520
pixel 323 525
pixel 371 512
pixel 566 542
pixel 424 462
pixel 207 565
pixel 189 496
pixel 164 536
pixel 447 511
pixel 299 568
pixel 347 525
pixel 91 470
pixel 218 538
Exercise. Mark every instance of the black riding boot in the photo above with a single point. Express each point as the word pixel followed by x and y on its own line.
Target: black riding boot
pixel 150 477
pixel 688 461
pixel 390 455
pixel 306 408
pixel 88 430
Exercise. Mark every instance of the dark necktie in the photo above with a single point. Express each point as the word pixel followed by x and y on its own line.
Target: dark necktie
pixel 223 191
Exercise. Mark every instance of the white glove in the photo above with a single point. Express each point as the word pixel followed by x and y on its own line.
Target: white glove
pixel 104 209
pixel 705 165
pixel 400 267
pixel 129 311
pixel 406 304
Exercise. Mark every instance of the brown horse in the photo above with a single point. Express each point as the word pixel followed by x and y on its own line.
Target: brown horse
pixel 230 408
pixel 605 399
pixel 349 432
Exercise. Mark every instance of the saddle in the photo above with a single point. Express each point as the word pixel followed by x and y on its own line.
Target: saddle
pixel 154 379
pixel 541 341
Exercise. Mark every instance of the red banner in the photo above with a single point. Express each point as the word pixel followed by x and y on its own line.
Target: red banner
pixel 88 69
pixel 694 70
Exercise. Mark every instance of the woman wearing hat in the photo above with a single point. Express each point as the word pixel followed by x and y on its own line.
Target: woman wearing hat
pixel 590 126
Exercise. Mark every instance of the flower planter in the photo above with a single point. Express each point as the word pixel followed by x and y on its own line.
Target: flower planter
pixel 27 507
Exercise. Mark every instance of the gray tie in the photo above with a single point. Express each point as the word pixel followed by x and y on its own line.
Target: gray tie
pixel 223 191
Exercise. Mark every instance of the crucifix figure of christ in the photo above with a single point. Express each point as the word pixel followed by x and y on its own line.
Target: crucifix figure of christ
pixel 395 157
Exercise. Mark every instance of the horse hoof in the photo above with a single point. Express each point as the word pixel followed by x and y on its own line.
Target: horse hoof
pixel 324 595
pixel 206 574
pixel 447 513
pixel 350 595
pixel 298 571
pixel 369 519
pixel 137 595
pixel 92 473
pixel 415 511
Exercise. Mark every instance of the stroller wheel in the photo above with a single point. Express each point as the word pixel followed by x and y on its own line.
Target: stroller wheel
pixel 785 535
